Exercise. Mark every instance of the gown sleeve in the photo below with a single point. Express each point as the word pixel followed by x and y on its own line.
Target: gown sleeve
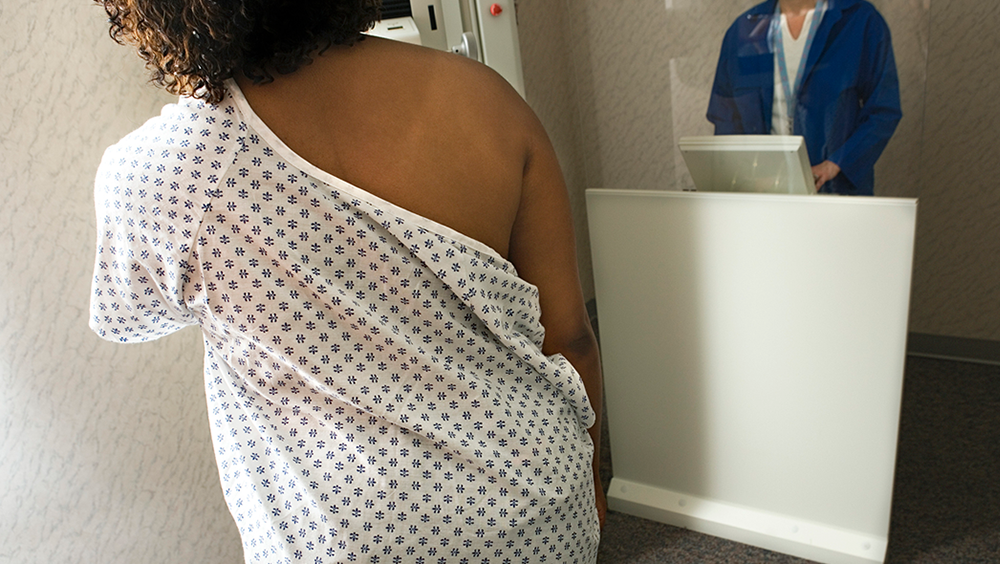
pixel 151 193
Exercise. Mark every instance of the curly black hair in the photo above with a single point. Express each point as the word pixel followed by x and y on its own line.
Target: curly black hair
pixel 192 46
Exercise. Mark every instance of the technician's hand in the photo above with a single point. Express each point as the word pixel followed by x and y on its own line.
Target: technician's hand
pixel 824 172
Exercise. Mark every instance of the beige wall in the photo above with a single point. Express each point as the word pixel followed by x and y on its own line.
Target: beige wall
pixel 105 453
pixel 638 79
pixel 956 281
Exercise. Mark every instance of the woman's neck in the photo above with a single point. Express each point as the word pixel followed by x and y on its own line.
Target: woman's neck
pixel 796 7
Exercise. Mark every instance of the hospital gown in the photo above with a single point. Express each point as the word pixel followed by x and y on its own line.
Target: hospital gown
pixel 375 381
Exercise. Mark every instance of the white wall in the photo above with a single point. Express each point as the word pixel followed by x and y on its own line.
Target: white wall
pixel 105 454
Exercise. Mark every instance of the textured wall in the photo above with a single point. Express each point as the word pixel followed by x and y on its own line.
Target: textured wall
pixel 105 448
pixel 898 171
pixel 956 285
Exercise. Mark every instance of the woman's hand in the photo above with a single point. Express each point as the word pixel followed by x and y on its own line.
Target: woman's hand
pixel 602 500
pixel 824 172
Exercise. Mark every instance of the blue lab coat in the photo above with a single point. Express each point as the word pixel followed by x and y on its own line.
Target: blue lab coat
pixel 848 105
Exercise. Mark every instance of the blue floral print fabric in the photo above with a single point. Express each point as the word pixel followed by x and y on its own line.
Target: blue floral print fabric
pixel 376 387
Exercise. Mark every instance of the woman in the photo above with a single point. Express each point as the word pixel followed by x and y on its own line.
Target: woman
pixel 376 242
pixel 822 69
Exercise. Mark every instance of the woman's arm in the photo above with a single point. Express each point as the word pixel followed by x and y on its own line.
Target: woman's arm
pixel 543 249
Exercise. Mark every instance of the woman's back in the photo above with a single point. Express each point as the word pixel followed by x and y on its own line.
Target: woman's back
pixel 371 375
pixel 434 133
pixel 379 252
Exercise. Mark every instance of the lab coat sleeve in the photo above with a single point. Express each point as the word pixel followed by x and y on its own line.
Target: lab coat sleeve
pixel 878 89
pixel 722 108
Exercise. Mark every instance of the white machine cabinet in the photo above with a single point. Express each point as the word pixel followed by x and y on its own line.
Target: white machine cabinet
pixel 484 30
pixel 753 349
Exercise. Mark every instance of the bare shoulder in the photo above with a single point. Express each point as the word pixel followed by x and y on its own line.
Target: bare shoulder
pixel 433 132
pixel 460 85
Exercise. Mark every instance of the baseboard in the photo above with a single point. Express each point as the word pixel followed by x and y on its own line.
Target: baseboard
pixel 779 533
pixel 954 348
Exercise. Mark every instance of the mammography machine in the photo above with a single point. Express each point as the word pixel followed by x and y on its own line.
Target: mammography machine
pixel 478 29
pixel 748 163
pixel 753 348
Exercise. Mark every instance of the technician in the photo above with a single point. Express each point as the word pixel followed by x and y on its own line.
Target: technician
pixel 822 69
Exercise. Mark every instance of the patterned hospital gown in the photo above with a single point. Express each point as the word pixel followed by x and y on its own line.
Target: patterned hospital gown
pixel 375 381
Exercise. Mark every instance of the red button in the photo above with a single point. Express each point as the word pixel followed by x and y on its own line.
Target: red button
pixel 495 9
